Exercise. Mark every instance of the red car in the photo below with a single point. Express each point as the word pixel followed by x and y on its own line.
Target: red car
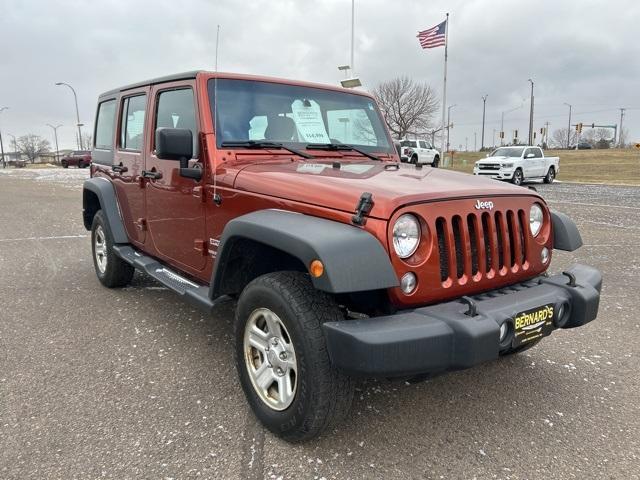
pixel 290 199
pixel 78 158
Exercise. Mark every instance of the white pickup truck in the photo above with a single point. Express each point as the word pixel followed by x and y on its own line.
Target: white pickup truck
pixel 518 163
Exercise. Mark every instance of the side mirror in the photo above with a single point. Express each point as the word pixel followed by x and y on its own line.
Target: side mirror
pixel 530 155
pixel 177 144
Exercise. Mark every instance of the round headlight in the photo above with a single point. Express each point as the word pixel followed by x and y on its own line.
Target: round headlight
pixel 535 219
pixel 406 235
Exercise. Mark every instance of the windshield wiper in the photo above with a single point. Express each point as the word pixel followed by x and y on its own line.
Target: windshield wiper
pixel 340 146
pixel 263 144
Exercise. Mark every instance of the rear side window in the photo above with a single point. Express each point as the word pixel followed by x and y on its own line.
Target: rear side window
pixel 105 124
pixel 423 144
pixel 132 122
pixel 176 109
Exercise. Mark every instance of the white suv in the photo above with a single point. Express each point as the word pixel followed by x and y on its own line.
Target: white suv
pixel 419 151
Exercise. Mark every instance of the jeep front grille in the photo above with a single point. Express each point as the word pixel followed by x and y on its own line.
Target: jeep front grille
pixel 481 244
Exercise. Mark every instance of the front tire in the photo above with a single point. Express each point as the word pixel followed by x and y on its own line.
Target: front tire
pixel 111 270
pixel 551 175
pixel 518 177
pixel 414 160
pixel 65 165
pixel 436 161
pixel 282 358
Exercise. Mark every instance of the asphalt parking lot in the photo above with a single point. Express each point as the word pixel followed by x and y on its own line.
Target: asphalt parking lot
pixel 133 383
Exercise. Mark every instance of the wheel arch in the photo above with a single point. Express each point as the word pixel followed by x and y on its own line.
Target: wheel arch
pixel 99 194
pixel 353 259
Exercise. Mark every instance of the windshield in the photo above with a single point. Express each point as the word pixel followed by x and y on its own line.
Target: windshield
pixel 408 143
pixel 507 152
pixel 295 115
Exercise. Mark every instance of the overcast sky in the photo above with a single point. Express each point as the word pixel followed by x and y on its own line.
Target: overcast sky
pixel 582 52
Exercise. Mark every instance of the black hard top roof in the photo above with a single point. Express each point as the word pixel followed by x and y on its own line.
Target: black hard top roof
pixel 153 81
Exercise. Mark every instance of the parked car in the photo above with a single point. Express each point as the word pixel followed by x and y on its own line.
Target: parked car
pixel 78 158
pixel 342 261
pixel 582 146
pixel 518 163
pixel 419 152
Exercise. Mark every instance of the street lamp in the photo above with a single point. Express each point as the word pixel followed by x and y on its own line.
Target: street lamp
pixel 55 135
pixel 531 116
pixel 75 97
pixel 4 163
pixel 569 127
pixel 449 122
pixel 484 106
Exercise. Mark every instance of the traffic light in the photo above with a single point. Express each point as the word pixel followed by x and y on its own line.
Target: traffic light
pixel 579 127
pixel 501 134
pixel 593 125
pixel 515 134
pixel 541 130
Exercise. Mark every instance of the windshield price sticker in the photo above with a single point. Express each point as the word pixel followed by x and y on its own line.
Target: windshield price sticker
pixel 309 123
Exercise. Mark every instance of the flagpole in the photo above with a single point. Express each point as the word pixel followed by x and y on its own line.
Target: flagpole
pixel 444 89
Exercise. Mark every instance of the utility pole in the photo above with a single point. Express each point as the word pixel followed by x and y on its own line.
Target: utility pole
pixel 531 116
pixel 4 162
pixel 620 133
pixel 484 106
pixel 466 144
pixel 569 127
pixel 493 145
pixel 475 141
pixel 546 133
pixel 55 135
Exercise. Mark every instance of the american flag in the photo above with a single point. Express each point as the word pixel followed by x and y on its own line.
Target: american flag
pixel 434 37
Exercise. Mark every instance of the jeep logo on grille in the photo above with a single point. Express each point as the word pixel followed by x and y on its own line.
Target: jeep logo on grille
pixel 484 205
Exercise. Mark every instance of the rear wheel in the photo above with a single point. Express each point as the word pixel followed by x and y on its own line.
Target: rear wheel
pixel 111 270
pixel 518 178
pixel 551 175
pixel 282 358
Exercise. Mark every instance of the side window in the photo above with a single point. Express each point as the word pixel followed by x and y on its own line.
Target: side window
pixel 132 122
pixel 423 144
pixel 537 152
pixel 105 124
pixel 175 109
pixel 527 152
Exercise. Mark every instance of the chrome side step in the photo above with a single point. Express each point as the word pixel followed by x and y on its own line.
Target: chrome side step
pixel 195 294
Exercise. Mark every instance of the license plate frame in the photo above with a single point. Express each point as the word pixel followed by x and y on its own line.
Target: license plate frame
pixel 533 324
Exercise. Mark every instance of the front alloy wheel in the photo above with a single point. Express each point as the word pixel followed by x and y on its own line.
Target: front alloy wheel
pixel 270 359
pixel 517 177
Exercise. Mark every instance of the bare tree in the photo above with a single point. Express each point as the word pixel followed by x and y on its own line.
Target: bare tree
pixel 87 141
pixel 32 146
pixel 559 138
pixel 407 106
pixel 588 135
pixel 602 134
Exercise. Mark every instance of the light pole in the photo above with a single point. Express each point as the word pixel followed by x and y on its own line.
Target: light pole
pixel 75 97
pixel 15 145
pixel 55 135
pixel 448 123
pixel 569 127
pixel 4 163
pixel 353 16
pixel 484 107
pixel 531 116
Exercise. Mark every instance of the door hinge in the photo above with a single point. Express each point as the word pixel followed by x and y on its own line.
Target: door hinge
pixel 141 223
pixel 200 246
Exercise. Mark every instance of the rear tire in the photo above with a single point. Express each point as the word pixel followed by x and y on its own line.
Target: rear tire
pixel 282 359
pixel 111 270
pixel 551 175
pixel 518 177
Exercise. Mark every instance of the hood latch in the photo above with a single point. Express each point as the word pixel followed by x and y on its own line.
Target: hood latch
pixel 365 204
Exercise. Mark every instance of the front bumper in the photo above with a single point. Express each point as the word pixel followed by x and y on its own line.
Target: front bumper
pixel 445 337
pixel 502 174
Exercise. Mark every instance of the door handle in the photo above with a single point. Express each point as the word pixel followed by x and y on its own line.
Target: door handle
pixel 119 168
pixel 152 174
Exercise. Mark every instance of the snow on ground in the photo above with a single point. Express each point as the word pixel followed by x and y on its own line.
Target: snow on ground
pixel 67 177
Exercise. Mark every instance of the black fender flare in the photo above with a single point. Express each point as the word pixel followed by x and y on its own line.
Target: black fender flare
pixel 354 260
pixel 106 194
pixel 566 235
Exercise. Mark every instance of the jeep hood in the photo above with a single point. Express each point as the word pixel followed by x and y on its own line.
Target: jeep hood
pixel 392 185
